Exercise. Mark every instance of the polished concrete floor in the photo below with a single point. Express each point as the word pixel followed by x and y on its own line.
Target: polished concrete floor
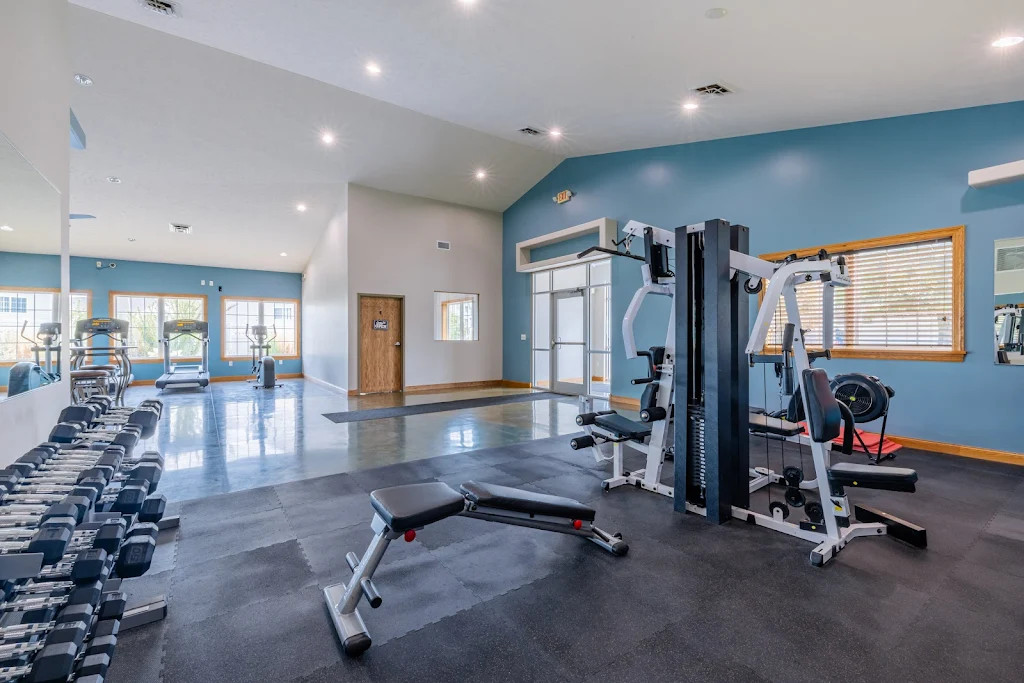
pixel 233 437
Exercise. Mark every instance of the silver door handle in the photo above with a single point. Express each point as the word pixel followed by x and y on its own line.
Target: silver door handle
pixel 398 343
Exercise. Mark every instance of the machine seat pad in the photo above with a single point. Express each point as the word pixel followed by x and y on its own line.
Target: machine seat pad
pixel 89 374
pixel 774 425
pixel 623 426
pixel 528 502
pixel 416 505
pixel 872 477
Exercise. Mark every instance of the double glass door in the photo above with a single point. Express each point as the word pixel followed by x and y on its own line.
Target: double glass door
pixel 572 329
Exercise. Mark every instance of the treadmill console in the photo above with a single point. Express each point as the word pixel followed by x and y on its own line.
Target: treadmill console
pixel 92 326
pixel 186 327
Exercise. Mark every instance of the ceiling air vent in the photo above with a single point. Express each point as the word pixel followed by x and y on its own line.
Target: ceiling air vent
pixel 164 7
pixel 529 131
pixel 444 246
pixel 712 90
pixel 1009 258
pixel 180 228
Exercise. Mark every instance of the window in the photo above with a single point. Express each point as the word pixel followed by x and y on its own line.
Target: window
pixel 281 316
pixel 32 306
pixel 146 314
pixel 906 302
pixel 455 316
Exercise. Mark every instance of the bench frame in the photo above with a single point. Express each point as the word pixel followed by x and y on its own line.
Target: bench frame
pixel 343 598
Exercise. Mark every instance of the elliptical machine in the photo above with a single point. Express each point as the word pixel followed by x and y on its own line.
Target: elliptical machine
pixel 26 375
pixel 263 366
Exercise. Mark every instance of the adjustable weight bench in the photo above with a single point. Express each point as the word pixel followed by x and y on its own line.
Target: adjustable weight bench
pixel 402 510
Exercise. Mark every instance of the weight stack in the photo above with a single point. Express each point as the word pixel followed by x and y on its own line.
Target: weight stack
pixel 696 455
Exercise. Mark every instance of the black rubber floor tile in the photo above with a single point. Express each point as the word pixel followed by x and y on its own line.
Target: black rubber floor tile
pixel 139 655
pixel 1008 525
pixel 953 643
pixel 393 475
pixel 499 455
pixel 473 645
pixel 583 620
pixel 325 553
pixel 166 551
pixel 229 583
pixel 580 485
pixel 985 591
pixel 348 670
pixel 307 490
pixel 417 591
pixel 537 467
pixel 208 540
pixel 229 505
pixel 455 530
pixel 281 638
pixel 447 464
pixel 327 514
pixel 673 657
pixel 999 553
pixel 482 563
pixel 485 474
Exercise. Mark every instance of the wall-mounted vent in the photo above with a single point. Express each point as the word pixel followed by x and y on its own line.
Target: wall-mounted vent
pixel 529 131
pixel 164 7
pixel 180 228
pixel 712 90
pixel 1009 258
pixel 444 246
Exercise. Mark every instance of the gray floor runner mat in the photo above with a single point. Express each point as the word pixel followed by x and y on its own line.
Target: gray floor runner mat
pixel 440 407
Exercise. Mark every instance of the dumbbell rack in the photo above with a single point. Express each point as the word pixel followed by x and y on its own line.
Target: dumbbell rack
pixel 77 515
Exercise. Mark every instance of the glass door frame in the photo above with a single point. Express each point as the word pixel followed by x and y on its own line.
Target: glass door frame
pixel 572 389
pixel 548 345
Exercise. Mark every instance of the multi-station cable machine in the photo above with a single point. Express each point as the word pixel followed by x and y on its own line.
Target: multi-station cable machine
pixel 695 411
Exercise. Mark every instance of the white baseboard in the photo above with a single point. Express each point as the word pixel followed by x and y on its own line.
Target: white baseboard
pixel 322 383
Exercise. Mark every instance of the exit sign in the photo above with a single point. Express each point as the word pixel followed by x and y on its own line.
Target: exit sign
pixel 564 196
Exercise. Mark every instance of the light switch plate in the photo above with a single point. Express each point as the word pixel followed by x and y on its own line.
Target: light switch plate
pixel 522 337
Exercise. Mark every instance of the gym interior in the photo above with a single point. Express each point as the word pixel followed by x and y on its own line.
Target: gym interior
pixel 511 341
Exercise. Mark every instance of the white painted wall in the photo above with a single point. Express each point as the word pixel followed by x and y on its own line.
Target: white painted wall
pixel 393 250
pixel 35 101
pixel 325 354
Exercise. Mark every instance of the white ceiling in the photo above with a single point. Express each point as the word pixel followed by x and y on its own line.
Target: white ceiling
pixel 230 146
pixel 202 136
pixel 29 205
pixel 613 73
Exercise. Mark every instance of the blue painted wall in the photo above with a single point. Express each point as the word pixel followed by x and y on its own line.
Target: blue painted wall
pixel 804 188
pixel 30 270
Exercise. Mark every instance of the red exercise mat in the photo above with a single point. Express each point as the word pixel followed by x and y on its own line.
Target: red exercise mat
pixel 870 440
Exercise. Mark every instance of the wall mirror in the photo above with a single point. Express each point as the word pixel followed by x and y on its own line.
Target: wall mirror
pixel 1009 301
pixel 30 330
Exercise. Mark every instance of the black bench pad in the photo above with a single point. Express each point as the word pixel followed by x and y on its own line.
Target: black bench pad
pixel 415 505
pixel 774 425
pixel 873 477
pixel 623 426
pixel 528 502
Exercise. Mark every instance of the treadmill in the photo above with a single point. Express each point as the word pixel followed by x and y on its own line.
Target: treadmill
pixel 181 375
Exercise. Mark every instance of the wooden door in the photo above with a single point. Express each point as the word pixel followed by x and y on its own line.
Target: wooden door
pixel 380 344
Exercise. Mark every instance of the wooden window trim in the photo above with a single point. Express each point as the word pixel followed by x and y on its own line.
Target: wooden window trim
pixel 152 361
pixel 444 316
pixel 53 290
pixel 957 235
pixel 262 299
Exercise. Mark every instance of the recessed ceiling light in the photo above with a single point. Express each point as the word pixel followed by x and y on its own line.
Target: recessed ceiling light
pixel 468 3
pixel 481 174
pixel 327 138
pixel 1008 41
pixel 113 179
pixel 284 253
pixel 6 228
pixel 716 13
pixel 373 68
pixel 131 239
pixel 690 106
pixel 82 79
pixel 300 207
pixel 555 132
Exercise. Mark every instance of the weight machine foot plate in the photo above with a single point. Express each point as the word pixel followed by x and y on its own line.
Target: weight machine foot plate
pixel 908 532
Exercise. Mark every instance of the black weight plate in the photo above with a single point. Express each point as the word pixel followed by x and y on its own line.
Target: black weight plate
pixel 814 512
pixel 795 497
pixel 793 475
pixel 780 506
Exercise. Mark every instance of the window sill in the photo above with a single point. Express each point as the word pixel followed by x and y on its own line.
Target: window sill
pixel 902 354
pixel 237 359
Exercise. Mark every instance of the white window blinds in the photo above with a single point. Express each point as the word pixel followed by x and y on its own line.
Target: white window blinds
pixel 901 298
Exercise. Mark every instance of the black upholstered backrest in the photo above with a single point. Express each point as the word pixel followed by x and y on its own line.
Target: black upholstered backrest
pixel 824 417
